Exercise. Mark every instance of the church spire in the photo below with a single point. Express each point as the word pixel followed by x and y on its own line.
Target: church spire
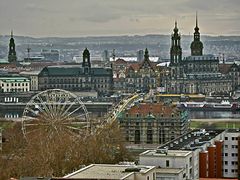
pixel 86 59
pixel 146 55
pixel 196 45
pixel 12 52
pixel 196 20
pixel 176 50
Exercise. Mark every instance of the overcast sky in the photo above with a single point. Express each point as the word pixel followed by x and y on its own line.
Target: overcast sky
pixel 70 18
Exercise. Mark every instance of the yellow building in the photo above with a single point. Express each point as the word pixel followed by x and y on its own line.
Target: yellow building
pixel 14 84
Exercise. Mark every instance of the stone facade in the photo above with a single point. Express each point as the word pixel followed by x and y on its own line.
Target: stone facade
pixel 75 78
pixel 198 73
pixel 132 77
pixel 153 123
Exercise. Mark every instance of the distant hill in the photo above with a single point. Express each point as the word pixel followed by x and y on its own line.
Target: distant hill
pixel 158 45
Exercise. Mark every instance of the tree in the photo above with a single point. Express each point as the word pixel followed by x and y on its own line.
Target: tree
pixel 58 154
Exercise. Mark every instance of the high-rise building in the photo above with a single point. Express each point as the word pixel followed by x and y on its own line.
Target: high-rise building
pixel 231 154
pixel 50 55
pixel 140 55
pixel 12 57
pixel 105 56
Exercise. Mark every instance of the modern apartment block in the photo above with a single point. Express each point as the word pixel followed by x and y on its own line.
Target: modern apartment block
pixel 164 158
pixel 214 154
pixel 231 154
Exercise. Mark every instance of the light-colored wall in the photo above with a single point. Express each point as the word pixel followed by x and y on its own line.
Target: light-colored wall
pixel 229 147
pixel 174 162
pixel 15 86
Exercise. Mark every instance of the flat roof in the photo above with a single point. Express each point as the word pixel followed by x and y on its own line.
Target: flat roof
pixel 108 171
pixel 30 72
pixel 14 79
pixel 192 140
pixel 167 153
pixel 168 170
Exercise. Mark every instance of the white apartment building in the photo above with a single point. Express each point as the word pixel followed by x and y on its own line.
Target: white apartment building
pixel 164 158
pixel 114 171
pixel 230 153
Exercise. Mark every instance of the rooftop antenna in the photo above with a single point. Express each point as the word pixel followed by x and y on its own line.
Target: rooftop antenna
pixel 196 19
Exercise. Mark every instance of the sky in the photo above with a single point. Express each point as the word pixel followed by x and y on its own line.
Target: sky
pixel 74 18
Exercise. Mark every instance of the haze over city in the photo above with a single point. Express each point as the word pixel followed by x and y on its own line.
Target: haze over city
pixel 130 90
pixel 72 18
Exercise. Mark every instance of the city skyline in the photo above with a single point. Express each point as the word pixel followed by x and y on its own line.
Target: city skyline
pixel 72 18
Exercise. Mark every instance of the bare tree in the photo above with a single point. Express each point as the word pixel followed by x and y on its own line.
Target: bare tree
pixel 57 154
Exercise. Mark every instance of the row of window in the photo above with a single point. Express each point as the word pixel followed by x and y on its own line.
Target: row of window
pixel 72 81
pixel 233 162
pixel 15 84
pixel 16 90
pixel 75 85
pixel 233 146
pixel 233 154
pixel 233 138
pixel 232 170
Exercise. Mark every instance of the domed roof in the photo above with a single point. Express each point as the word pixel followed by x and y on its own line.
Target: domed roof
pixel 86 52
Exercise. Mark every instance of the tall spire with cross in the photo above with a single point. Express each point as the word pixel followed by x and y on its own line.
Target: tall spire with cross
pixel 196 45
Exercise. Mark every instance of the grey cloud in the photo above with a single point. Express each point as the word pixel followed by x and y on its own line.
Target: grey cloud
pixel 65 17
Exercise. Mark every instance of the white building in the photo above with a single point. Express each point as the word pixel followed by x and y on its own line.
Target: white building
pixel 164 158
pixel 110 171
pixel 14 84
pixel 169 174
pixel 230 153
pixel 127 171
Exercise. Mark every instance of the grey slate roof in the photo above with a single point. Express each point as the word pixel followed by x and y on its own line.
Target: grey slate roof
pixel 74 71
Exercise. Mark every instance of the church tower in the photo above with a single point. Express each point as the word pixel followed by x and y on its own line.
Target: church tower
pixel 196 45
pixel 86 61
pixel 12 57
pixel 176 50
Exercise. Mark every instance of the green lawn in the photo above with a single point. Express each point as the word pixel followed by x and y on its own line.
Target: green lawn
pixel 214 125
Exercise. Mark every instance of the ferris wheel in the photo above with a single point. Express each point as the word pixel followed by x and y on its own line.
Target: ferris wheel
pixel 55 111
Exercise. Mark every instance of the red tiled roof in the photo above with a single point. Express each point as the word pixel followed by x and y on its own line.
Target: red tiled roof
pixel 135 67
pixel 120 61
pixel 153 108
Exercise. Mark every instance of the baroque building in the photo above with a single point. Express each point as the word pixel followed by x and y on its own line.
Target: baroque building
pixel 135 76
pixel 197 73
pixel 75 78
pixel 153 123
